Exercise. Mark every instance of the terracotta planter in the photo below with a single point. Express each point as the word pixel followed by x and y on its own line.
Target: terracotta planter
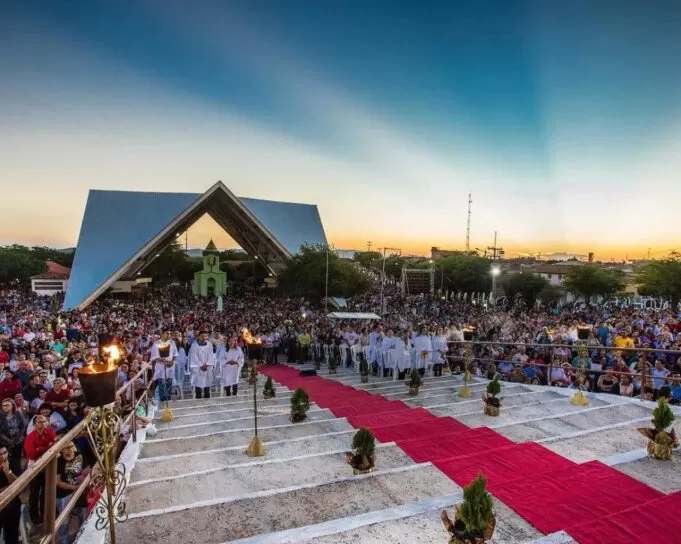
pixel 460 537
pixel 413 391
pixel 660 445
pixel 361 464
pixel 491 410
pixel 297 418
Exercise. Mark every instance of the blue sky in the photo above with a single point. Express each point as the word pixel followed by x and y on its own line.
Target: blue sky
pixel 562 118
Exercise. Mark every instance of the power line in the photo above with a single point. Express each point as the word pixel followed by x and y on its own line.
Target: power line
pixel 497 252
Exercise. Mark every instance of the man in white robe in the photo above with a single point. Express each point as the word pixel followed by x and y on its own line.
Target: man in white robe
pixel 230 362
pixel 375 351
pixel 164 356
pixel 423 348
pixel 201 363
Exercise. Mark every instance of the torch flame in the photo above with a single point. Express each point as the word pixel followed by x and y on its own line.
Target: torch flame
pixel 111 355
pixel 249 338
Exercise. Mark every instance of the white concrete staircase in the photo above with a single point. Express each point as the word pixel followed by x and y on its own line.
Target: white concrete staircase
pixel 192 481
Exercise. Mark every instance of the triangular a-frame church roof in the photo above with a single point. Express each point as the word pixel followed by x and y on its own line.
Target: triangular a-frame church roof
pixel 122 231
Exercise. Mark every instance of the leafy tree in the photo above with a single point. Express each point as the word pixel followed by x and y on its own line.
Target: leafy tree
pixel 19 263
pixel 525 285
pixel 393 266
pixel 164 268
pixel 368 259
pixel 235 255
pixel 550 295
pixel 463 272
pixel 662 279
pixel 590 281
pixel 305 275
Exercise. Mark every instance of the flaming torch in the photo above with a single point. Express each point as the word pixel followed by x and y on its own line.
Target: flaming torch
pixel 104 426
pixel 254 345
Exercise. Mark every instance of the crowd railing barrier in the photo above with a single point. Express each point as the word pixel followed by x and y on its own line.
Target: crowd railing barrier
pixel 48 463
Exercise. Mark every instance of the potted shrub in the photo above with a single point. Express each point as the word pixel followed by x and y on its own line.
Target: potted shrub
pixel 300 404
pixel 269 392
pixel 660 441
pixel 362 458
pixel 492 402
pixel 474 520
pixel 414 382
pixel 364 370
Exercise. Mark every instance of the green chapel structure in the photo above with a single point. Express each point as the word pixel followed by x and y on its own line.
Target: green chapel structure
pixel 211 281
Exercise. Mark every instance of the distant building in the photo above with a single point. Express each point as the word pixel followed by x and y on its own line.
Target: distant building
pixel 54 280
pixel 211 281
pixel 553 273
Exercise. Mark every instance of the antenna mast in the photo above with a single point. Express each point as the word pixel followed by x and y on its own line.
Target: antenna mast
pixel 468 225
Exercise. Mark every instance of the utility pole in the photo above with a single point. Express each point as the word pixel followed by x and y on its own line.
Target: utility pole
pixel 494 249
pixel 468 225
pixel 383 274
pixel 186 240
pixel 648 253
pixel 369 245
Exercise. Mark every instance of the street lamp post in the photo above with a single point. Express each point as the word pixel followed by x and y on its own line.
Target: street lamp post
pixel 383 275
pixel 326 283
pixel 495 270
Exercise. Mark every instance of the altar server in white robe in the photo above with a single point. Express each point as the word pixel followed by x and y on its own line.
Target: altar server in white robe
pixel 403 352
pixel 375 351
pixel 440 348
pixel 164 356
pixel 387 349
pixel 423 347
pixel 230 362
pixel 201 363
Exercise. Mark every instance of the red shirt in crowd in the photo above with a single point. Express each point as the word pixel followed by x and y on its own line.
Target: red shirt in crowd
pixel 4 357
pixel 9 388
pixel 36 444
pixel 53 396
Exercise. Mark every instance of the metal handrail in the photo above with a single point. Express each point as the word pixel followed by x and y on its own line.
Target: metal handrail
pixel 49 461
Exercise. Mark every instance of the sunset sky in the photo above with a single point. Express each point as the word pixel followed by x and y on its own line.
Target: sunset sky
pixel 562 118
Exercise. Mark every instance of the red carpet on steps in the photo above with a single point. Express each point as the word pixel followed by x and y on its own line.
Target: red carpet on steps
pixel 506 464
pixel 595 503
pixel 565 498
pixel 454 444
pixel 650 522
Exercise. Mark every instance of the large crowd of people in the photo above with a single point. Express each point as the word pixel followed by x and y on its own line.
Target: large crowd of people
pixel 628 352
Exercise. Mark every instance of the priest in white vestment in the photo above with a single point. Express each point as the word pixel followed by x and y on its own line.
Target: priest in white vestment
pixel 201 363
pixel 230 363
pixel 387 352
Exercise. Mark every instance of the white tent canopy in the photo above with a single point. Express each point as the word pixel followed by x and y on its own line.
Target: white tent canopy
pixel 353 315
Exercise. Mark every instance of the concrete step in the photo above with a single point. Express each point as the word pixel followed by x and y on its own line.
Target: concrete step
pixel 427 528
pixel 251 475
pixel 434 392
pixel 176 465
pixel 549 429
pixel 244 394
pixel 222 520
pixel 436 398
pixel 664 476
pixel 459 407
pixel 217 405
pixel 181 429
pixel 239 437
pixel 197 416
pixel 544 408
